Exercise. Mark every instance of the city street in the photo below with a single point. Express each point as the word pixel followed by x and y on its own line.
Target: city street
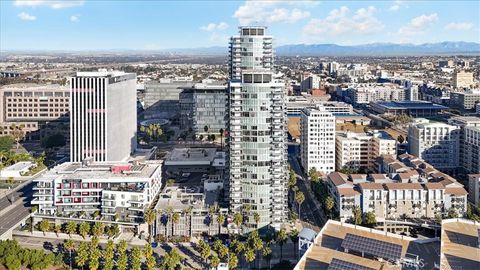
pixel 310 210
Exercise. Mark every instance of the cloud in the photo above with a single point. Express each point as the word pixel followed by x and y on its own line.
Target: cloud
pixel 339 21
pixel 55 4
pixel 256 12
pixel 75 18
pixel 418 25
pixel 26 17
pixel 397 5
pixel 214 27
pixel 460 26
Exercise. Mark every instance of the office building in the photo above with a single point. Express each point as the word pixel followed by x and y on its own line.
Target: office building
pixel 366 93
pixel 462 79
pixel 33 106
pixel 359 150
pixel 317 140
pixel 204 105
pixel 119 191
pixel 309 82
pixel 465 101
pixel 436 143
pixel 162 97
pixel 103 118
pixel 257 131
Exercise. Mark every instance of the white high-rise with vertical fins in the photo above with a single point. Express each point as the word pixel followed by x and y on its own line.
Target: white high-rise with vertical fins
pixel 257 131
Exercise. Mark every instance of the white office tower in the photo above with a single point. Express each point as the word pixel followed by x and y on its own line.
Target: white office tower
pixel 436 143
pixel 103 116
pixel 317 139
pixel 257 125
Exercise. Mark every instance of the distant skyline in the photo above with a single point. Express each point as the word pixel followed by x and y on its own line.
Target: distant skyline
pixel 156 25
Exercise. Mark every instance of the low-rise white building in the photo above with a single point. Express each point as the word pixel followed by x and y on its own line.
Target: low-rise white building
pixel 119 191
pixel 17 170
pixel 317 139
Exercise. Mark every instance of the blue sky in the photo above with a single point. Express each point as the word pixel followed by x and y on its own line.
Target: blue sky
pixel 143 25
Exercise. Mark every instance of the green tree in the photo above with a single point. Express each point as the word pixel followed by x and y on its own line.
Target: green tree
pixel 136 258
pixel 95 255
pixel 451 213
pixel 370 219
pixel 232 260
pixel 294 238
pixel 82 254
pixel 149 216
pixel 357 215
pixel 84 229
pixel 171 260
pixel 400 139
pixel 122 258
pixel 249 255
pixel 220 221
pixel 6 143
pixel 299 198
pixel 256 218
pixel 109 255
pixel 214 261
pixel 55 140
pixel 281 239
pixel 17 133
pixel 267 254
pixel 71 227
pixel 205 128
pixel 238 219
pixel 57 228
pixel 44 226
pixel 329 203
pixel 69 246
pixel 175 221
pixel 98 229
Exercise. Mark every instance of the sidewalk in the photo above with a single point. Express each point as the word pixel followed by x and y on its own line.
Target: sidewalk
pixel 63 236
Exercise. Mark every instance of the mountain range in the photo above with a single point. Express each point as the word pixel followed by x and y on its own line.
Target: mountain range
pixel 373 49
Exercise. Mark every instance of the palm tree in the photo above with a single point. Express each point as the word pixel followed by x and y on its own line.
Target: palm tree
pixel 44 226
pixel 220 221
pixel 70 246
pixel 204 250
pixel 256 217
pixel 175 220
pixel 294 238
pixel 109 255
pixel 136 258
pixel 84 229
pixel 267 254
pixel 232 260
pixel 221 138
pixel 249 255
pixel 82 254
pixel 71 228
pixel 17 133
pixel 299 198
pixel 281 238
pixel 171 259
pixel 188 214
pixel 168 216
pixel 329 203
pixel 214 262
pixel 149 216
pixel 238 219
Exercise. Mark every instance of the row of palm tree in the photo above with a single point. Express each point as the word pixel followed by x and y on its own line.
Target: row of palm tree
pixel 92 256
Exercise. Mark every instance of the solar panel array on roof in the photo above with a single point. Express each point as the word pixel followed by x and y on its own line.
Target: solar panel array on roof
pixel 373 247
pixel 337 264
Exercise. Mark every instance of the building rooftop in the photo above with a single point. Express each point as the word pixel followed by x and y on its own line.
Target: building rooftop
pixel 338 241
pixel 410 105
pixel 19 166
pixel 460 244
pixel 192 156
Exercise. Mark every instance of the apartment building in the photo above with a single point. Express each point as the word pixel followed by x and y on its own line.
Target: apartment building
pixel 33 106
pixel 204 105
pixel 414 190
pixel 309 82
pixel 359 150
pixel 469 142
pixel 317 139
pixel 103 118
pixel 465 100
pixel 119 191
pixel 257 130
pixel 462 79
pixel 295 105
pixel 366 93
pixel 436 143
pixel 474 188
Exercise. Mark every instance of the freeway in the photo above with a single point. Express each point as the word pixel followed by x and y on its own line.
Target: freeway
pixel 25 192
pixel 13 217
pixel 311 211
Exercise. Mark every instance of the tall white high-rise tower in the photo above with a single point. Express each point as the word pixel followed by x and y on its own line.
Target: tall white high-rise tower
pixel 257 131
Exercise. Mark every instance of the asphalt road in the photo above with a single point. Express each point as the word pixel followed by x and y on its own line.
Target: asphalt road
pixel 309 211
pixel 12 217
pixel 24 192
pixel 17 213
